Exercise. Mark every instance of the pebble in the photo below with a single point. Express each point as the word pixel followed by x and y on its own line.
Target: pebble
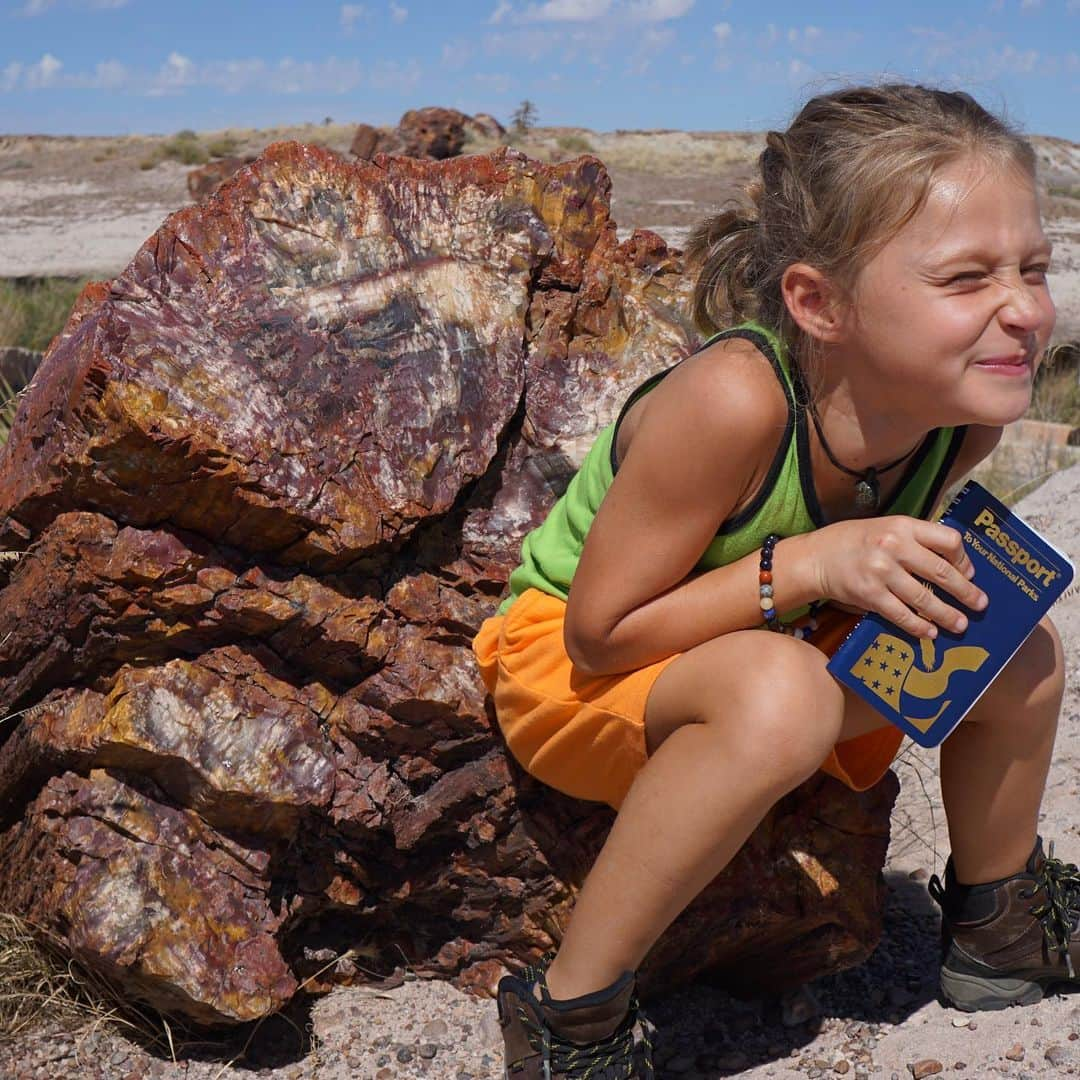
pixel 405 1055
pixel 925 1067
pixel 1059 1055
pixel 428 1051
pixel 841 1067
pixel 435 1029
pixel 961 1021
pixel 1015 1052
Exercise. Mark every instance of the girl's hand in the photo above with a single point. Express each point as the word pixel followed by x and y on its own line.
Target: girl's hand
pixel 877 565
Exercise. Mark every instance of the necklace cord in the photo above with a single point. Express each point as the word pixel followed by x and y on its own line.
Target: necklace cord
pixel 866 473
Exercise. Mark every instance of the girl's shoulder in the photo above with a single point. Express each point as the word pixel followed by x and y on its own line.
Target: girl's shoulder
pixel 721 412
pixel 732 385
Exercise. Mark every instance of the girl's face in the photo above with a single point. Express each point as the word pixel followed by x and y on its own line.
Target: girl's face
pixel 950 317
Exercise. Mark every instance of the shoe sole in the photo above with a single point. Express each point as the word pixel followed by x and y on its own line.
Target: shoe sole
pixel 971 993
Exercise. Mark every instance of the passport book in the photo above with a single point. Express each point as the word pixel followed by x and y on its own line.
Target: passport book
pixel 926 685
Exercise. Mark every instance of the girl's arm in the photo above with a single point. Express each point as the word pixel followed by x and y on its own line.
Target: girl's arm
pixel 704 442
pixel 705 439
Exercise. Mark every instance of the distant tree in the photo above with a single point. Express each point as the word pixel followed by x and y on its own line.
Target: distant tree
pixel 327 120
pixel 524 118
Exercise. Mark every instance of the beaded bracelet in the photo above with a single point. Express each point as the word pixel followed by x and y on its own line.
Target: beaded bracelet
pixel 765 596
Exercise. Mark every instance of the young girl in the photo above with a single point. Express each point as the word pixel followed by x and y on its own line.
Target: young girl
pixel 889 290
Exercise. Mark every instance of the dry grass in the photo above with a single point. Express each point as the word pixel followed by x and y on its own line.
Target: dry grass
pixel 9 404
pixel 40 985
pixel 33 313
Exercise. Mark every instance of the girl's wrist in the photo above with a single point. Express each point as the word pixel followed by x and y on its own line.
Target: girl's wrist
pixel 795 580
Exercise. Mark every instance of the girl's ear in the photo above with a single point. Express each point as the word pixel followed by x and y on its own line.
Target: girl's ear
pixel 813 302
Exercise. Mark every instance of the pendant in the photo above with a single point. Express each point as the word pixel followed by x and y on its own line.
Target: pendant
pixel 867 493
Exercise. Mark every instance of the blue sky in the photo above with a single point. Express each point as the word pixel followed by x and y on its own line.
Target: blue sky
pixel 125 66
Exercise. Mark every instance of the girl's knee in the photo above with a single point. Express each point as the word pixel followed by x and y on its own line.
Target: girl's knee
pixel 1036 674
pixel 1033 681
pixel 792 707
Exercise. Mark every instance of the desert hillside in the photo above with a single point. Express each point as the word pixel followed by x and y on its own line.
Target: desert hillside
pixel 82 206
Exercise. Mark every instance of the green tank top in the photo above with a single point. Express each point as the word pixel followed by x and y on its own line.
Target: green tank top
pixel 786 504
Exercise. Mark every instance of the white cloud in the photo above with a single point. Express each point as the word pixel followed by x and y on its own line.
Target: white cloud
pixel 652 42
pixel 497 84
pixel 722 32
pixel 179 73
pixel 176 73
pixel 770 37
pixel 456 54
pixel 109 75
pixel 798 70
pixel 659 10
pixel 568 11
pixel 44 73
pixel 350 14
pixel 1014 61
pixel 804 39
pixel 532 45
pixel 1073 6
pixel 39 7
pixel 398 13
pixel 502 9
pixel 9 77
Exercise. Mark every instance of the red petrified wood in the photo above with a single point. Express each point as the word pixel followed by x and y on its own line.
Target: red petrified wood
pixel 268 483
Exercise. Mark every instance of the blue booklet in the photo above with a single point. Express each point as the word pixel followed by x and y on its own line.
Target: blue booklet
pixel 926 685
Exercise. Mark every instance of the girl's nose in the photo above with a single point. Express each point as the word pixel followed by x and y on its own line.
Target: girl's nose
pixel 1023 307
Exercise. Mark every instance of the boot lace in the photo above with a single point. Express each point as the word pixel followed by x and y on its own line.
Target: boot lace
pixel 606 1059
pixel 1060 911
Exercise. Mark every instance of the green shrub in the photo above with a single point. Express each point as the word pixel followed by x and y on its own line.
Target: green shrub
pixel 226 146
pixel 148 163
pixel 33 313
pixel 185 148
pixel 1070 191
pixel 9 405
pixel 574 144
pixel 1056 395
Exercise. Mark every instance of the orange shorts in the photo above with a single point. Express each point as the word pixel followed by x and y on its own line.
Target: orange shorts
pixel 585 736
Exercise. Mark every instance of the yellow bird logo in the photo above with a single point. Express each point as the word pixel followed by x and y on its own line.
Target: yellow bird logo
pixel 887 669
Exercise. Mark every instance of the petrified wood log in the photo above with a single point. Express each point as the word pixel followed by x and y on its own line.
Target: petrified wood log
pixel 365 141
pixel 268 483
pixel 432 132
pixel 206 179
pixel 484 125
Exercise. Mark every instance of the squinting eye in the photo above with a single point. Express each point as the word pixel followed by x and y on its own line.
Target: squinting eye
pixel 968 276
pixel 1038 272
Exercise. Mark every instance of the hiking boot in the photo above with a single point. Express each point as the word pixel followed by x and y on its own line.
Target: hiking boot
pixel 1004 942
pixel 599 1036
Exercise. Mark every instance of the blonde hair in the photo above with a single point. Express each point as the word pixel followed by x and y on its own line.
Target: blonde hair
pixel 854 166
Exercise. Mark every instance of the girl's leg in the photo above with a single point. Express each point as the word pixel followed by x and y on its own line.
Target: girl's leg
pixel 732 725
pixel 994 765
